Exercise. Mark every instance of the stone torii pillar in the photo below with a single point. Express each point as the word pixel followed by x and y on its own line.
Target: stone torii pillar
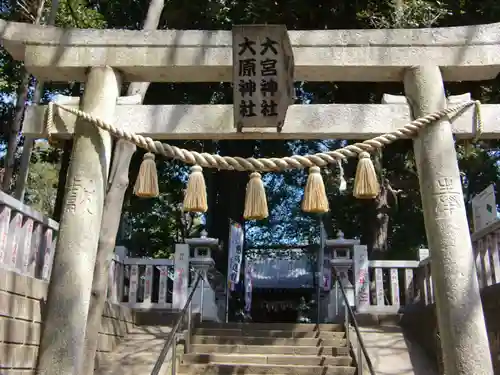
pixel 68 296
pixel 464 338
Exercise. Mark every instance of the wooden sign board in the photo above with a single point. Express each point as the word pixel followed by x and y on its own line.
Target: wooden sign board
pixel 262 76
pixel 484 208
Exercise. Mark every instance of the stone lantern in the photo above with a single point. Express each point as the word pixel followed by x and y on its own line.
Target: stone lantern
pixel 342 260
pixel 202 261
pixel 202 247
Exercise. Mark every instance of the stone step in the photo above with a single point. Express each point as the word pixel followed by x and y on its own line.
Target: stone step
pixel 243 369
pixel 247 331
pixel 271 349
pixel 159 317
pixel 248 340
pixel 127 369
pixel 152 331
pixel 131 357
pixel 272 359
pixel 296 327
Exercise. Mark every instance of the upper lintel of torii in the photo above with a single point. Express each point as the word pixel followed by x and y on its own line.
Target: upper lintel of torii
pixel 55 54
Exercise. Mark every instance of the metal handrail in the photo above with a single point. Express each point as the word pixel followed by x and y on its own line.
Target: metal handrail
pixel 172 337
pixel 350 314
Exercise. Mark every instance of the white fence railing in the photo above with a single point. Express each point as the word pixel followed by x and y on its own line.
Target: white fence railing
pixel 27 239
pixel 387 286
pixel 486 247
pixel 486 252
pixel 141 282
pixel 393 285
pixel 412 280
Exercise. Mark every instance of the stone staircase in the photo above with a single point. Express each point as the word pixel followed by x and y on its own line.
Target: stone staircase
pixel 138 352
pixel 234 349
pixel 260 348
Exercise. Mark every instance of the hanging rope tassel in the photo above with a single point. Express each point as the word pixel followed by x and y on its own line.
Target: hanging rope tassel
pixel 366 184
pixel 195 199
pixel 50 127
pixel 342 181
pixel 255 199
pixel 146 185
pixel 315 200
pixel 468 145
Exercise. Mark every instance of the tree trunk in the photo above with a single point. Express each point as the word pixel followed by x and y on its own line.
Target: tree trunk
pixel 377 247
pixel 377 215
pixel 66 158
pixel 10 158
pixel 113 204
pixel 22 96
pixel 63 174
pixel 399 16
pixel 228 202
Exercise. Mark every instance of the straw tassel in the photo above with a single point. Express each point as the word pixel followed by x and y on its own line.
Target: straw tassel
pixel 315 200
pixel 366 185
pixel 146 185
pixel 255 199
pixel 195 199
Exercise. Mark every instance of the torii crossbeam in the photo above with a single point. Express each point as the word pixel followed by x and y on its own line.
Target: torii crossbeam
pixel 308 121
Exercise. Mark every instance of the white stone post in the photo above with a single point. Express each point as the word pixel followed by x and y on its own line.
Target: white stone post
pixel 361 277
pixel 115 275
pixel 61 346
pixel 121 252
pixel 181 276
pixel 423 254
pixel 462 328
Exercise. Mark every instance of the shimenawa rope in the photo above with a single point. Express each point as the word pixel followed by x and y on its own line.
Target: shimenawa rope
pixel 366 185
pixel 266 164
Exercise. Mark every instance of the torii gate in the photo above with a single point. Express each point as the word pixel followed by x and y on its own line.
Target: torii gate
pixel 102 58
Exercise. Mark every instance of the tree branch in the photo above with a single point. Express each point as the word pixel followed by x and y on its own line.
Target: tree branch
pixel 394 192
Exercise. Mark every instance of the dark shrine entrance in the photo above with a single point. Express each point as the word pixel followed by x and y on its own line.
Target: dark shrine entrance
pixel 280 285
pixel 281 305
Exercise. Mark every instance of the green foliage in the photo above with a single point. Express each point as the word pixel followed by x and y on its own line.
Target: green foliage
pixel 404 14
pixel 41 188
pixel 155 225
pixel 79 14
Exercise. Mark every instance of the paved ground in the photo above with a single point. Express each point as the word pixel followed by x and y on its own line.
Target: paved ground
pixel 137 354
pixel 392 354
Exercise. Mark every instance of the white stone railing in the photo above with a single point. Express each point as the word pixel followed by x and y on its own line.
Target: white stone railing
pixel 395 284
pixel 486 254
pixel 424 285
pixel 486 248
pixel 141 282
pixel 27 239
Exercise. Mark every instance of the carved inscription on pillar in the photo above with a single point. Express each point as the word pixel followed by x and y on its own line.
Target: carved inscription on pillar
pixel 80 197
pixel 448 198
